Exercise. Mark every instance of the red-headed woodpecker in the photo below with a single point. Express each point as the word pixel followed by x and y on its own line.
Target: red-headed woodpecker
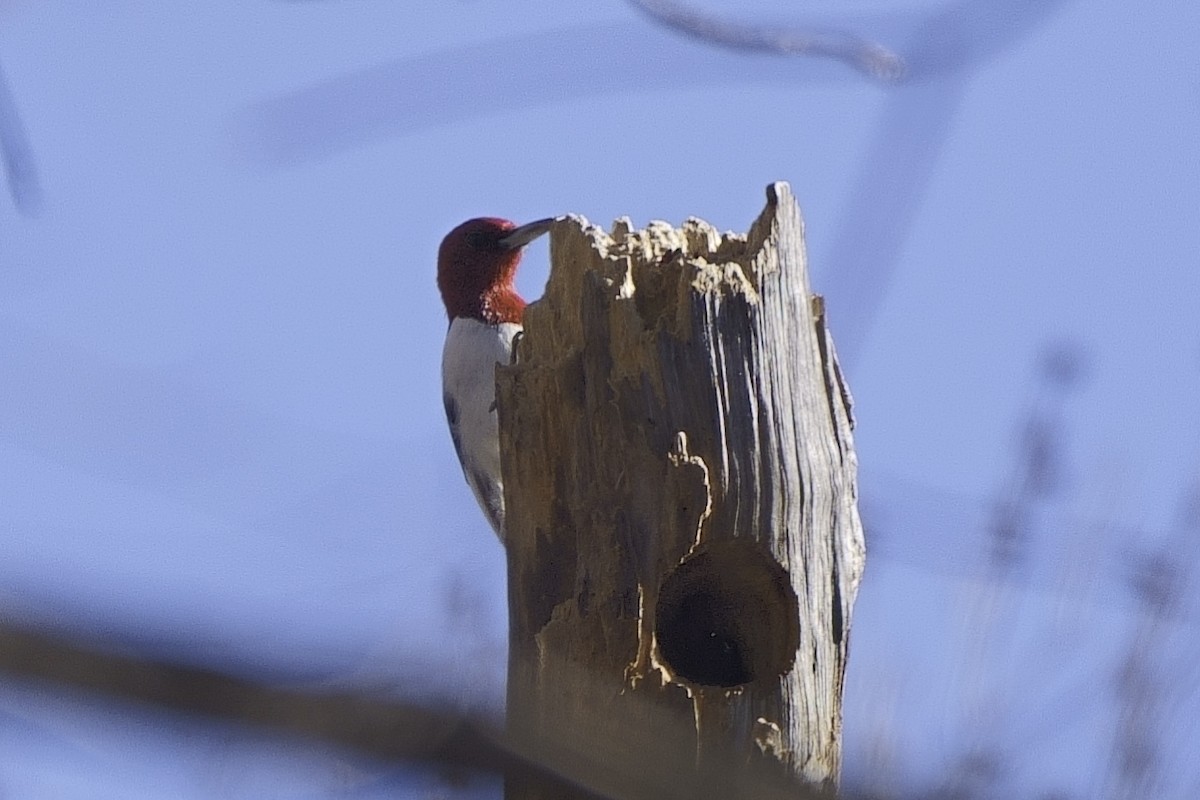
pixel 476 266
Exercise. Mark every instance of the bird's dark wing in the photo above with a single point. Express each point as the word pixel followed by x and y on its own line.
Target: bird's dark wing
pixel 492 501
pixel 452 419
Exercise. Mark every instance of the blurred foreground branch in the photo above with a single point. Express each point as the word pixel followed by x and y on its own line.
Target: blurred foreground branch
pixel 379 727
pixel 376 726
pixel 862 54
pixel 17 155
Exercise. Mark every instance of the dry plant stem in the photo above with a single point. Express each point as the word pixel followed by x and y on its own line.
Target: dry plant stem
pixel 683 536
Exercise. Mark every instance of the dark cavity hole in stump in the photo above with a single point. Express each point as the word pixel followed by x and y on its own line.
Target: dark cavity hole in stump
pixel 727 616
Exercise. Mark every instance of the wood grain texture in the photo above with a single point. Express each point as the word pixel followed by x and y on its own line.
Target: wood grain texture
pixel 684 542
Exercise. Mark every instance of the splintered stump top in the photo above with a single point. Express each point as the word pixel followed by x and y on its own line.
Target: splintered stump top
pixel 683 536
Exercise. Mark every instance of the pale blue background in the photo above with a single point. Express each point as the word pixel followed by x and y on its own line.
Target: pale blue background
pixel 221 435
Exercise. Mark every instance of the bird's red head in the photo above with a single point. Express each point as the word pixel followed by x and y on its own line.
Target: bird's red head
pixel 476 266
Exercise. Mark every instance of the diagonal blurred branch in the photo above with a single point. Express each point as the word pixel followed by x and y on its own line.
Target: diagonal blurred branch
pixel 862 54
pixel 565 64
pixel 19 166
pixel 883 204
pixel 569 63
pixel 375 726
pixel 898 165
pixel 387 728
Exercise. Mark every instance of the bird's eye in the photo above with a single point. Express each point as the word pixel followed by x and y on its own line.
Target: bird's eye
pixel 479 240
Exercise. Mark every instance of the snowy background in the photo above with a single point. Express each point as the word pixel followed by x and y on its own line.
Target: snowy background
pixel 221 434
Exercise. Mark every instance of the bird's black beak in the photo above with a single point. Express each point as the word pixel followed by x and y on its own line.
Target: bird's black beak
pixel 519 237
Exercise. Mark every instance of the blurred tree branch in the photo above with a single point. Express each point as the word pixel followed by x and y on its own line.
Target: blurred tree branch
pixel 862 54
pixel 381 727
pixel 19 166
pixel 376 726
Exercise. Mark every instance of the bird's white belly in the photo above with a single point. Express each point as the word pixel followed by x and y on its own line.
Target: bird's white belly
pixel 469 359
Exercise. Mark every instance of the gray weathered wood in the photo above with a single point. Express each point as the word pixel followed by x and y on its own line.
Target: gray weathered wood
pixel 683 538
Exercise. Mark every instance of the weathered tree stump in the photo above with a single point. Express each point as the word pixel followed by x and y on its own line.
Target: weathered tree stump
pixel 684 545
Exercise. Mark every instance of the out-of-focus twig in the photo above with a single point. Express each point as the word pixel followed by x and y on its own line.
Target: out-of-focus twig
pixel 377 726
pixel 19 166
pixel 864 55
pixel 415 93
pixel 387 728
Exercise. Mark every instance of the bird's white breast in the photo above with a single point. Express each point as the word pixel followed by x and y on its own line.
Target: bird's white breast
pixel 472 350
